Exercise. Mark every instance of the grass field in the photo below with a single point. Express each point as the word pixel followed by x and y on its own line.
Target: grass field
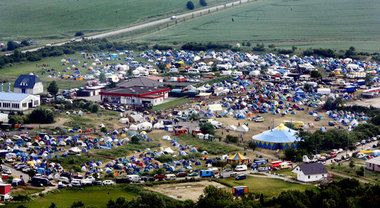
pixel 44 20
pixel 96 196
pixel 344 169
pixel 170 104
pixel 267 186
pixel 302 23
pixel 213 148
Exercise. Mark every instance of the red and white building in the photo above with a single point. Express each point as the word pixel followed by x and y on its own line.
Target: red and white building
pixel 138 91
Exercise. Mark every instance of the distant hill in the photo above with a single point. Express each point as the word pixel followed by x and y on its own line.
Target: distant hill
pixel 336 24
pixel 57 19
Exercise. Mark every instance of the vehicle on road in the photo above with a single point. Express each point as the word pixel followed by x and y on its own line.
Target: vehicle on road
pixel 241 177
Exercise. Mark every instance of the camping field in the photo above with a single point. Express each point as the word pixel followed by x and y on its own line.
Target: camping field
pixel 302 23
pixel 96 196
pixel 52 20
pixel 269 187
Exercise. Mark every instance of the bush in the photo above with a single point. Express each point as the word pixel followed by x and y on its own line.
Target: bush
pixel 360 172
pixel 21 197
pixel 190 5
pixel 203 2
pixel 135 140
pixel 233 139
pixel 77 204
pixel 78 34
pixel 41 115
pixel 207 128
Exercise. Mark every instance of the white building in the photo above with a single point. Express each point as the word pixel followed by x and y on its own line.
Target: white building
pixel 10 101
pixel 28 84
pixel 310 172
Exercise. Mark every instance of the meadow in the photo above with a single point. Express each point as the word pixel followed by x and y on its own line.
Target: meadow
pixel 96 196
pixel 51 20
pixel 269 187
pixel 301 23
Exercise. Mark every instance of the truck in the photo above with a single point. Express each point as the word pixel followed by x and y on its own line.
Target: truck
pixel 170 177
pixel 134 178
pixel 206 173
pixel 40 182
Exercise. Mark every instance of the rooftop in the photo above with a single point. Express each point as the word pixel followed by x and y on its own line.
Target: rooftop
pixel 26 81
pixel 11 96
pixel 375 161
pixel 313 168
pixel 135 90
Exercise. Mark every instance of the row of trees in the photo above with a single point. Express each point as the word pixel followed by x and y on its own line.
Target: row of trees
pixel 190 4
pixel 39 115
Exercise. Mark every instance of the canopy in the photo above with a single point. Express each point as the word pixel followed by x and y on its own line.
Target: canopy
pixel 237 158
pixel 280 137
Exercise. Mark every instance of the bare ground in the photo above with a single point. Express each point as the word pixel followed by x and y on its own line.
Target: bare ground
pixel 184 191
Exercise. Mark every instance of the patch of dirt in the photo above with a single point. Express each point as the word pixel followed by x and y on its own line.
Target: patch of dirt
pixel 184 191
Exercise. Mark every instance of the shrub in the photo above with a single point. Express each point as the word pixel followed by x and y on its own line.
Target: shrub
pixel 42 116
pixel 135 140
pixel 207 128
pixel 190 5
pixel 233 139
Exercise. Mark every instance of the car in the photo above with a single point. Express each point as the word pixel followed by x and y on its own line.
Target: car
pixel 333 154
pixel 194 174
pixel 241 177
pixel 159 176
pixel 76 183
pixel 181 174
pixel 241 168
pixel 7 171
pixel 61 185
pixel 98 183
pixel 108 182
pixel 147 179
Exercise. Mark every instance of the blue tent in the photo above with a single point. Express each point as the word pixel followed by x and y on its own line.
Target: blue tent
pixel 280 137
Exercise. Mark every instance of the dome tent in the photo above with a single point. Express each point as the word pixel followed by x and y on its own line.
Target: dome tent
pixel 280 137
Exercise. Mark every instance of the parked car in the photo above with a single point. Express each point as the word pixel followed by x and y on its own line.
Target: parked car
pixel 241 177
pixel 147 179
pixel 64 180
pixel 181 174
pixel 159 176
pixel 108 182
pixel 241 168
pixel 194 174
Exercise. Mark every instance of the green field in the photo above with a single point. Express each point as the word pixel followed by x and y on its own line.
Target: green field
pixel 170 104
pixel 96 196
pixel 267 186
pixel 304 23
pixel 57 19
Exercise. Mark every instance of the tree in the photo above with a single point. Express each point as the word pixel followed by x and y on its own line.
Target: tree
pixel 77 204
pixel 53 88
pixel 102 77
pixel 368 79
pixel 52 205
pixel 147 199
pixel 252 145
pixel 11 45
pixel 307 87
pixel 352 164
pixel 207 128
pixel 77 34
pixel 360 172
pixel 25 43
pixel 42 116
pixel 190 5
pixel 94 108
pixel 233 139
pixel 203 2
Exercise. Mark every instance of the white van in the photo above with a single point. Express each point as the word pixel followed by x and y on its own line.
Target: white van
pixel 170 177
pixel 134 178
pixel 193 71
pixel 241 168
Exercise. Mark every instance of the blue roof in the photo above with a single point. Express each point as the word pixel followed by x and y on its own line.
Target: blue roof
pixel 26 81
pixel 11 96
pixel 281 134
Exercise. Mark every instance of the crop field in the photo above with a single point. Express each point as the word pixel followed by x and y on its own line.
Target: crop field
pixel 54 19
pixel 302 23
pixel 90 196
pixel 267 186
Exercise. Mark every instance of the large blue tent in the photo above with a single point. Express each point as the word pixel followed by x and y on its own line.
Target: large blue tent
pixel 280 137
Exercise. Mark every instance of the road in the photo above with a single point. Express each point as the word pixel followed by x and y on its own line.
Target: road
pixel 346 176
pixel 17 173
pixel 367 145
pixel 149 24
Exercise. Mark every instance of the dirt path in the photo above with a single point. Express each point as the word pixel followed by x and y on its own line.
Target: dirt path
pixel 59 122
pixel 346 176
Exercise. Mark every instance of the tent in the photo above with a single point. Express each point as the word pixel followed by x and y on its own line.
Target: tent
pixel 237 158
pixel 242 128
pixel 280 137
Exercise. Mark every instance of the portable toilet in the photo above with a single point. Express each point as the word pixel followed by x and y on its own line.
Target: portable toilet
pixel 239 190
pixel 5 189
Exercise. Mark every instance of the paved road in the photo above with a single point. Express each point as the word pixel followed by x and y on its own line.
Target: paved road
pixel 367 145
pixel 149 24
pixel 16 172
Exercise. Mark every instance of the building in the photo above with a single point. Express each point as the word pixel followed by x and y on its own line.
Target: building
pixel 10 101
pixel 137 91
pixel 28 84
pixel 310 172
pixel 373 164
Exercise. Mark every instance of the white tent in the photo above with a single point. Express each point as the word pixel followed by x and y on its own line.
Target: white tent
pixel 123 120
pixel 168 150
pixel 215 107
pixel 133 128
pixel 144 126
pixel 231 127
pixel 242 128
